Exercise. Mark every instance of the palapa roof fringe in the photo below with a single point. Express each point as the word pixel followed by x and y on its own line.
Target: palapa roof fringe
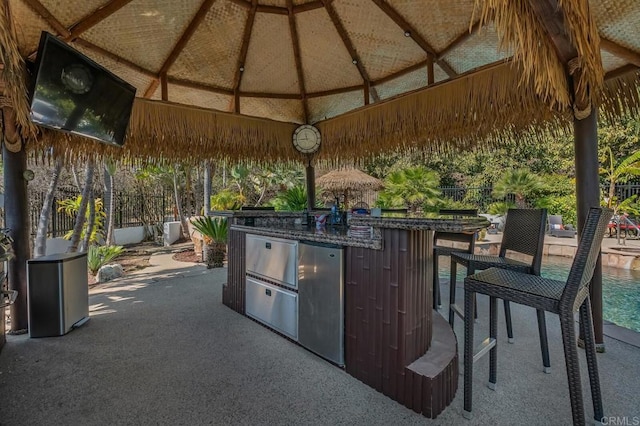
pixel 487 105
pixel 520 30
pixel 14 73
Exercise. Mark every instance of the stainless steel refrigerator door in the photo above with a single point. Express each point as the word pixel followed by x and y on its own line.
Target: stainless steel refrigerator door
pixel 273 306
pixel 272 258
pixel 321 300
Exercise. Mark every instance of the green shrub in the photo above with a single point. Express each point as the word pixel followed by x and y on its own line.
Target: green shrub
pixel 98 256
pixel 499 207
pixel 212 229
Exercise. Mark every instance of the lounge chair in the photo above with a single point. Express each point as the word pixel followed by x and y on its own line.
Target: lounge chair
pixel 558 229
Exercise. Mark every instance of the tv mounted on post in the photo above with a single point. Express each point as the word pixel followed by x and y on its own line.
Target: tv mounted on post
pixel 74 94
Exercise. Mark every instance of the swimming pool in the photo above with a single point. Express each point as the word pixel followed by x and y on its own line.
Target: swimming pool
pixel 620 288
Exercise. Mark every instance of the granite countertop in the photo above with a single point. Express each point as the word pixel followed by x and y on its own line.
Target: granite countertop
pixel 328 234
pixel 445 224
pixel 340 235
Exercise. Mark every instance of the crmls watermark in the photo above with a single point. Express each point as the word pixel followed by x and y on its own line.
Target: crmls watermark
pixel 621 421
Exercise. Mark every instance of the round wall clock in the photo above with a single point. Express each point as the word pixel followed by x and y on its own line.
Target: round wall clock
pixel 306 139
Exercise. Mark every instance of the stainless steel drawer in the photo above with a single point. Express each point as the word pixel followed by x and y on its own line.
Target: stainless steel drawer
pixel 273 306
pixel 273 258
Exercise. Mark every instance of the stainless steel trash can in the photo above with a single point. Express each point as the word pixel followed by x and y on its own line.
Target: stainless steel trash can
pixel 58 293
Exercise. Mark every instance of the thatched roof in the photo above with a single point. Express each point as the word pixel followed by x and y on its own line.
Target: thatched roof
pixel 348 179
pixel 232 78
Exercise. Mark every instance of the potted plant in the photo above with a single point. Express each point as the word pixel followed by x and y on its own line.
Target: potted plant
pixel 214 233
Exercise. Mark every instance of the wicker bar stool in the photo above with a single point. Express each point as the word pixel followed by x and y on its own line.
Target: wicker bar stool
pixel 562 298
pixel 523 233
pixel 440 250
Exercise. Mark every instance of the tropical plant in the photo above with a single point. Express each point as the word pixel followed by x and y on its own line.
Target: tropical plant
pixel 227 200
pixel 619 173
pixel 499 207
pixel 293 199
pixel 98 256
pixel 417 187
pixel 214 232
pixel 521 183
pixel 79 226
pixel 71 207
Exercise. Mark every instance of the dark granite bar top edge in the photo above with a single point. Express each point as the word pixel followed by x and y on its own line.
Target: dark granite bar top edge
pixel 309 234
pixel 413 223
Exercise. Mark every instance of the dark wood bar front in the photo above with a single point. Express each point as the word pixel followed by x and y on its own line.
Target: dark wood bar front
pixel 393 340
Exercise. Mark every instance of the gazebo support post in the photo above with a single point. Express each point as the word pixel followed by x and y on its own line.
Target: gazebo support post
pixel 311 185
pixel 588 195
pixel 17 220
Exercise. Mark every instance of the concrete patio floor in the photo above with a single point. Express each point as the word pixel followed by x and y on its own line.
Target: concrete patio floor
pixel 160 348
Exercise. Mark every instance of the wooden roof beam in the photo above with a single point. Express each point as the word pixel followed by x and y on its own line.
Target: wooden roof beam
pixel 475 27
pixel 347 43
pixel 621 52
pixel 90 46
pixel 315 4
pixel 44 13
pixel 96 17
pixel 550 16
pixel 237 79
pixel 180 45
pixel 298 60
pixel 619 72
pixel 415 36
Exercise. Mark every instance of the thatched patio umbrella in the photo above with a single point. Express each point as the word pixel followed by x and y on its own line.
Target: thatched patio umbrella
pixel 347 180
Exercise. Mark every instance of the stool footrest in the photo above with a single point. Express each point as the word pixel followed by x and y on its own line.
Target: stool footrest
pixel 457 310
pixel 484 348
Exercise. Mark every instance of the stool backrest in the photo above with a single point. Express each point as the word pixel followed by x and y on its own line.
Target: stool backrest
pixel 524 233
pixel 586 257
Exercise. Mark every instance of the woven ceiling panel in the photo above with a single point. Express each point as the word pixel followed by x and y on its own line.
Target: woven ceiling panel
pixel 70 12
pixel 479 49
pixel 289 110
pixel 29 26
pixel 325 107
pixel 611 62
pixel 200 98
pixel 279 3
pixel 144 31
pixel 270 65
pixel 381 45
pixel 139 81
pixel 216 44
pixel 318 41
pixel 438 21
pixel 618 21
pixel 411 81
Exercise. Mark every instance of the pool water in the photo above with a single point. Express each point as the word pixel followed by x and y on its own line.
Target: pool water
pixel 620 288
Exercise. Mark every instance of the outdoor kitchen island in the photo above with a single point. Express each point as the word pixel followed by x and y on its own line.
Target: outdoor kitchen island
pixel 393 340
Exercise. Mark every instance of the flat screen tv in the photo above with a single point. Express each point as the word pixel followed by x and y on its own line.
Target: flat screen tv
pixel 74 94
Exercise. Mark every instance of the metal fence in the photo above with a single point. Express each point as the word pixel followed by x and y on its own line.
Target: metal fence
pixel 130 209
pixel 136 209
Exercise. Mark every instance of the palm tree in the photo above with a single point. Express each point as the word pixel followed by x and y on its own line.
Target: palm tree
pixel 414 187
pixel 110 171
pixel 43 223
pixel 521 183
pixel 80 218
pixel 619 173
